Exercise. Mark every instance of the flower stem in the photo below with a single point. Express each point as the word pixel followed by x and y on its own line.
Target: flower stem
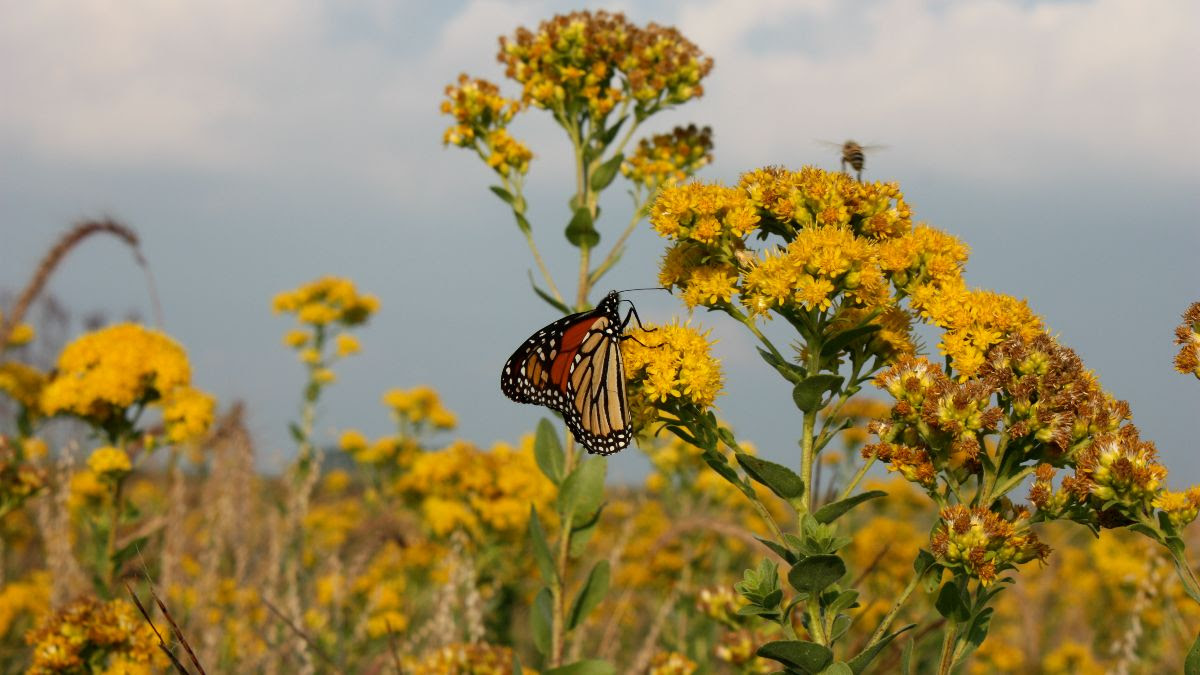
pixel 858 476
pixel 891 615
pixel 558 584
pixel 949 641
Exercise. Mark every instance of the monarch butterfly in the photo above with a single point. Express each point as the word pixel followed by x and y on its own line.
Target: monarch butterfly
pixel 574 366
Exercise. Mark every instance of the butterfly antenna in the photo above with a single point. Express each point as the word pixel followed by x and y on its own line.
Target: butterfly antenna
pixel 652 288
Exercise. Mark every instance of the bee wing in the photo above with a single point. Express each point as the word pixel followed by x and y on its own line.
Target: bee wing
pixel 829 144
pixel 874 147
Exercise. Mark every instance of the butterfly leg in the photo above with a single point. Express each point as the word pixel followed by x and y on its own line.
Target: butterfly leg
pixel 634 315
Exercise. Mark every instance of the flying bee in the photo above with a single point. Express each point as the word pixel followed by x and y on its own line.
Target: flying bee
pixel 854 155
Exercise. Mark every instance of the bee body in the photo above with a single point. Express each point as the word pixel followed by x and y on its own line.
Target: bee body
pixel 852 154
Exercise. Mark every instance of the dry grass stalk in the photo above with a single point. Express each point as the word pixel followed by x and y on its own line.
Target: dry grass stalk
pixel 1125 648
pixel 55 255
pixel 53 515
pixel 642 661
pixel 161 643
pixel 300 634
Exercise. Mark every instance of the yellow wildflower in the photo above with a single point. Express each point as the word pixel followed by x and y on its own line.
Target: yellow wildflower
pixel 109 635
pixel 109 463
pixel 347 344
pixel 667 159
pixel 23 383
pixel 187 414
pixel 673 368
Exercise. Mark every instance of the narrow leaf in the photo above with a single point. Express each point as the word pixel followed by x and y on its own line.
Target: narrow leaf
pixel 719 464
pixel 840 341
pixel 593 591
pixel 610 134
pixel 780 550
pixel 583 490
pixel 548 451
pixel 792 372
pixel 815 573
pixel 834 510
pixel 582 533
pixel 782 480
pixel 863 659
pixel 809 657
pixel 540 620
pixel 502 194
pixel 924 560
pixel 522 222
pixel 541 550
pixel 606 172
pixel 586 667
pixel 547 297
pixel 810 392
pixel 1191 664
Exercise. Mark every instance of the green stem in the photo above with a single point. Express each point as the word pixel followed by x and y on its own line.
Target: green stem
pixel 949 641
pixel 1187 576
pixel 561 558
pixel 1010 483
pixel 615 252
pixel 886 623
pixel 858 476
pixel 110 549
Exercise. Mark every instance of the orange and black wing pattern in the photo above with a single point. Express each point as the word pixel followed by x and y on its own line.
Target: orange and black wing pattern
pixel 574 366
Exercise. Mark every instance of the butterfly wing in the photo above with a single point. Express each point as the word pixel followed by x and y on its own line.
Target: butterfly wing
pixel 574 366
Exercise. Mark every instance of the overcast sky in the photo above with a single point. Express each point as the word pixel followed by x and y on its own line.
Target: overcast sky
pixel 255 146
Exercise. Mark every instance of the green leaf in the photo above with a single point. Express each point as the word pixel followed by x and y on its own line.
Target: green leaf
pixel 590 595
pixel 522 222
pixel 581 231
pixel 844 600
pixel 719 464
pixel 516 666
pixel 950 603
pixel 583 490
pixel 979 627
pixel 923 562
pixel 815 573
pixel 841 624
pixel 790 371
pixel 863 659
pixel 1191 664
pixel 780 550
pixel 808 657
pixel 121 556
pixel 782 480
pixel 838 668
pixel 810 392
pixel 548 451
pixel 834 510
pixel 585 667
pixel 839 342
pixel 610 133
pixel 297 433
pixel 503 194
pixel 906 657
pixel 547 297
pixel 582 533
pixel 541 550
pixel 606 172
pixel 540 620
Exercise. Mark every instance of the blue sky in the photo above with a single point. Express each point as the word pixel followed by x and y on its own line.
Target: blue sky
pixel 255 146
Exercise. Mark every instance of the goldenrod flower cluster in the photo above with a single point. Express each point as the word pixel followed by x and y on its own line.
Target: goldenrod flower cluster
pixel 326 301
pixel 109 463
pixel 393 451
pixel 983 543
pixel 671 663
pixel 481 117
pixel 19 478
pixel 465 659
pixel 23 383
pixel 1188 335
pixel 103 374
pixel 593 61
pixel 24 598
pixel 381 587
pixel 667 159
pixel 1119 469
pixel 463 487
pixel 319 306
pixel 415 408
pixel 668 368
pixel 88 634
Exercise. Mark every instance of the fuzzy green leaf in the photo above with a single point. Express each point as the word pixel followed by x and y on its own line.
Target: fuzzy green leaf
pixel 583 491
pixel 840 341
pixel 581 231
pixel 582 533
pixel 780 550
pixel 606 172
pixel 522 222
pixel 808 657
pixel 815 573
pixel 548 451
pixel 834 510
pixel 810 392
pixel 540 620
pixel 950 603
pixel 593 591
pixel 782 480
pixel 790 371
pixel 541 550
pixel 503 194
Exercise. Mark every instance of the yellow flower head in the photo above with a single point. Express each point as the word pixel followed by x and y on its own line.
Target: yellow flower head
pixel 595 60
pixel 1181 507
pixel 1188 335
pixel 327 300
pixel 187 414
pixel 667 159
pixel 1119 468
pixel 111 635
pixel 671 367
pixel 984 543
pixel 101 374
pixel 23 383
pixel 109 463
